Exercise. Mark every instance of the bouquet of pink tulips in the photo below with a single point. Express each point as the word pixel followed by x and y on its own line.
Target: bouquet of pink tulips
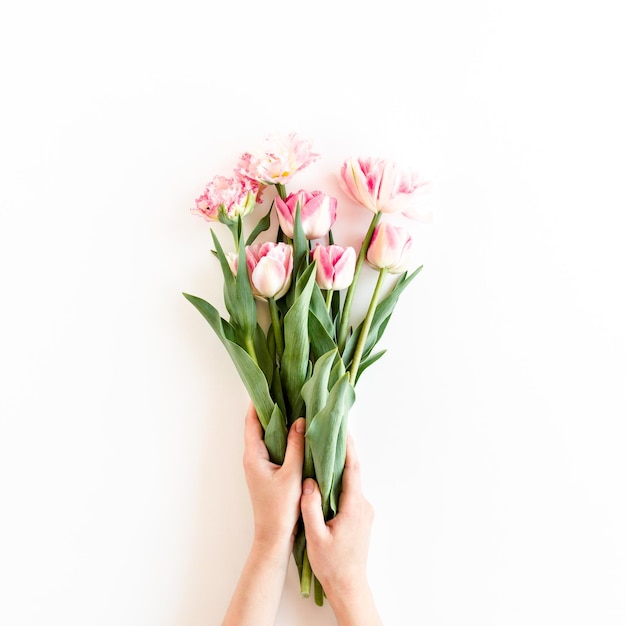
pixel 309 357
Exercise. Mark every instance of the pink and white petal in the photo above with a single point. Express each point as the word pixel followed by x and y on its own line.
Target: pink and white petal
pixel 268 277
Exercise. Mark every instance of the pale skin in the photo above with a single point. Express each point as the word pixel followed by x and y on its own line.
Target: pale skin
pixel 337 550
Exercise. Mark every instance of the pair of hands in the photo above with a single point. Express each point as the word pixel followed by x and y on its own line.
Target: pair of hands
pixel 337 550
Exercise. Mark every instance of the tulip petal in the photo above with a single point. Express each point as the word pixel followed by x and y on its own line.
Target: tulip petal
pixel 324 274
pixel 268 277
pixel 344 269
pixel 285 217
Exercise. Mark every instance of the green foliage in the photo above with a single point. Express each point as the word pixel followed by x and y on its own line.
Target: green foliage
pixel 255 381
pixel 295 361
pixel 262 225
pixel 325 430
pixel 381 318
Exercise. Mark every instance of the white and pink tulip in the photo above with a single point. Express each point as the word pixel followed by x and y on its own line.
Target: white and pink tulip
pixel 390 248
pixel 382 186
pixel 318 212
pixel 269 269
pixel 335 266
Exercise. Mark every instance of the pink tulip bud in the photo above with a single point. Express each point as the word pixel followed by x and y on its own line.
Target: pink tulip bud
pixel 381 186
pixel 335 266
pixel 390 248
pixel 317 213
pixel 269 269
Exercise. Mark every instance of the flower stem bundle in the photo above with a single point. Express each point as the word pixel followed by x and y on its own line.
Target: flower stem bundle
pixel 308 359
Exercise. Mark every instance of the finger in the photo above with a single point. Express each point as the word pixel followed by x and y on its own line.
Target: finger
pixel 294 455
pixel 311 507
pixel 253 435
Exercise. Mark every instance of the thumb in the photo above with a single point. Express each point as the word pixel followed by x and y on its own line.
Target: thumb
pixel 294 454
pixel 311 507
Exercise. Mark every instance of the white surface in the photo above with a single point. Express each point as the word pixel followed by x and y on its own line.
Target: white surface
pixel 491 435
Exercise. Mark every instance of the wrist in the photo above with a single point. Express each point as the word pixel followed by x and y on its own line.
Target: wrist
pixel 353 603
pixel 272 547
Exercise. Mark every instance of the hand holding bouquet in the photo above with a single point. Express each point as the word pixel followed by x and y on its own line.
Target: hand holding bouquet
pixel 311 354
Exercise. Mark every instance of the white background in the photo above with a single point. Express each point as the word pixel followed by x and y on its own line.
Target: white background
pixel 492 433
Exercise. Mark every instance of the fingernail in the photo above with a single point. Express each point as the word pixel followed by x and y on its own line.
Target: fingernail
pixel 307 487
pixel 300 426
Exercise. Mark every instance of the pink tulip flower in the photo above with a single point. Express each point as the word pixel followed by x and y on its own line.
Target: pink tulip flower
pixel 317 213
pixel 381 186
pixel 269 269
pixel 278 160
pixel 390 248
pixel 237 196
pixel 335 266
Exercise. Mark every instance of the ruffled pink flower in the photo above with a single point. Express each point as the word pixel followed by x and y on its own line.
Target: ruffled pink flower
pixel 335 266
pixel 317 213
pixel 390 248
pixel 281 157
pixel 269 268
pixel 235 196
pixel 382 186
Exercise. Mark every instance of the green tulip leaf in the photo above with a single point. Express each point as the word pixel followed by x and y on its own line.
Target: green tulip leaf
pixel 336 373
pixel 263 354
pixel 300 244
pixel 295 360
pixel 315 395
pixel 229 278
pixel 277 391
pixel 340 462
pixel 315 389
pixel 238 296
pixel 251 375
pixel 323 432
pixel 262 225
pixel 321 341
pixel 299 547
pixel 318 307
pixel 380 320
pixel 276 436
pixel 246 304
pixel 365 363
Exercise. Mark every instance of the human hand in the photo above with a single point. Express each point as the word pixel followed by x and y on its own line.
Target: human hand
pixel 338 549
pixel 275 490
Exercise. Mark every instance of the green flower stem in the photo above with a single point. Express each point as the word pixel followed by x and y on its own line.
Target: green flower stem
pixel 367 323
pixel 319 592
pixel 249 346
pixel 306 577
pixel 282 190
pixel 278 337
pixel 329 299
pixel 234 229
pixel 347 305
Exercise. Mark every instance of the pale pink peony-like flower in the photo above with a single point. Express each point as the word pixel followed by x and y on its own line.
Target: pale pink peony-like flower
pixel 390 248
pixel 237 195
pixel 269 268
pixel 382 186
pixel 317 213
pixel 281 157
pixel 335 266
